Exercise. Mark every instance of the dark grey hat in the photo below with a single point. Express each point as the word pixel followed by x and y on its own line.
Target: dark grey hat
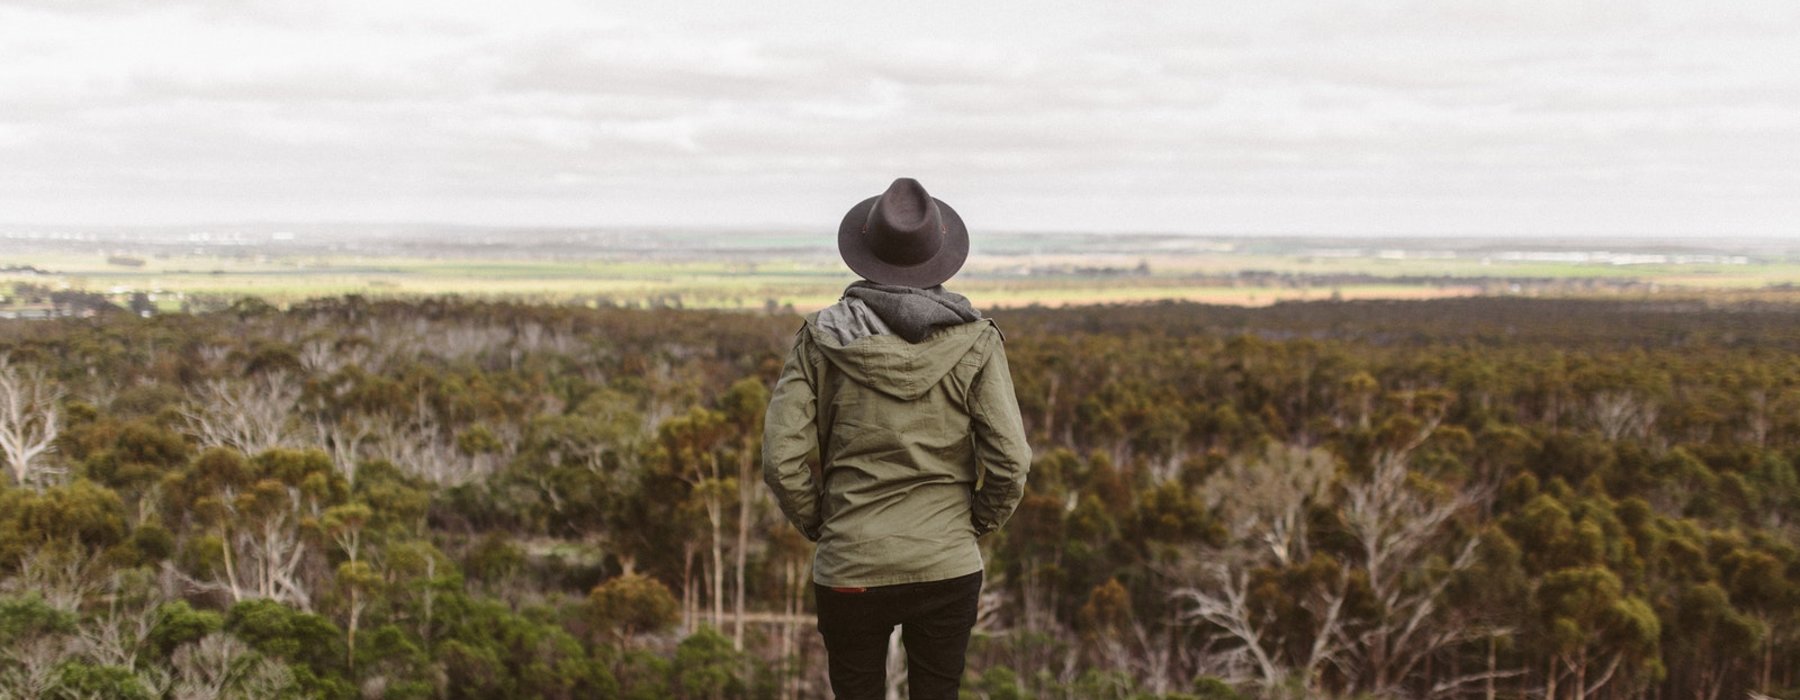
pixel 904 236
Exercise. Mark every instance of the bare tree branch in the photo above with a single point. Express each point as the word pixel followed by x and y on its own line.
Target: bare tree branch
pixel 219 666
pixel 1623 413
pixel 1397 526
pixel 1223 601
pixel 63 578
pixel 251 416
pixel 28 422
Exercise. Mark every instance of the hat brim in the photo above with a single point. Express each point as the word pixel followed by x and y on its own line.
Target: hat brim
pixel 854 248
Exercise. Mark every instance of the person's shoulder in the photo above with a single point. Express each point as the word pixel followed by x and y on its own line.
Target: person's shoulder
pixel 989 342
pixel 803 335
pixel 991 330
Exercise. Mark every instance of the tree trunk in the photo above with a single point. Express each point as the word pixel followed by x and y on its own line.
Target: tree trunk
pixel 266 587
pixel 687 588
pixel 1768 657
pixel 788 626
pixel 1492 663
pixel 716 580
pixel 1581 675
pixel 350 636
pixel 430 598
pixel 743 546
pixel 230 571
pixel 1428 670
pixel 713 517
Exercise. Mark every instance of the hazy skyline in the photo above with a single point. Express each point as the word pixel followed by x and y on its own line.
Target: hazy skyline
pixel 1535 118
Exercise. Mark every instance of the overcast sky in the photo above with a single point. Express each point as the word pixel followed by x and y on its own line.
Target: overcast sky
pixel 1535 117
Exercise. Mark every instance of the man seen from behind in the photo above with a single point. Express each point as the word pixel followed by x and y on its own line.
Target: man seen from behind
pixel 903 389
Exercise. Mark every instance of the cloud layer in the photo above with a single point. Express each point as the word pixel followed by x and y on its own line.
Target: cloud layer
pixel 1532 118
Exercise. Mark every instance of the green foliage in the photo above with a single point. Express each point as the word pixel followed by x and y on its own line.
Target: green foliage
pixel 1705 617
pixel 129 457
pixel 309 471
pixel 644 675
pixel 311 645
pixel 494 558
pixel 488 651
pixel 111 682
pixel 81 514
pixel 152 543
pixel 1176 514
pixel 178 623
pixel 398 503
pixel 632 604
pixel 478 440
pixel 1001 683
pixel 1628 467
pixel 706 668
pixel 389 653
pixel 473 671
pixel 1209 688
pixel 27 617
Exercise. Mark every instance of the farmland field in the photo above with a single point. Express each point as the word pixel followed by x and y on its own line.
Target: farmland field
pixel 766 270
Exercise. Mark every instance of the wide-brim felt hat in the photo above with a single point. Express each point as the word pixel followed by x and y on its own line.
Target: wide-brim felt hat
pixel 904 236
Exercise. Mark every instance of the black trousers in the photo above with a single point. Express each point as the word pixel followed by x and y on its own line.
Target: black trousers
pixel 934 618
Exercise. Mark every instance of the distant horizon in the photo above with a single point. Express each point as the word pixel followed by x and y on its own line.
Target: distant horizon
pixel 826 232
pixel 771 237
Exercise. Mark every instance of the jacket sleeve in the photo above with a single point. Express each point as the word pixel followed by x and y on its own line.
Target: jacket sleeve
pixel 1000 448
pixel 789 435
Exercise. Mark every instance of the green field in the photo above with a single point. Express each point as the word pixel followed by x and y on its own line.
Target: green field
pixel 806 282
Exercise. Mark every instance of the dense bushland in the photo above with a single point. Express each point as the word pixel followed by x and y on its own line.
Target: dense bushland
pixel 1479 498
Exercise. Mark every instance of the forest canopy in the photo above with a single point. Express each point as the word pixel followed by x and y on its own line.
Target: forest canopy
pixel 451 498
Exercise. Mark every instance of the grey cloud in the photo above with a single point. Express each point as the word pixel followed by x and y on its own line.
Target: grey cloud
pixel 1160 108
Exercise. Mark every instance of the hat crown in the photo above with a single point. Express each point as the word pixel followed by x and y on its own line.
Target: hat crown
pixel 905 226
pixel 904 236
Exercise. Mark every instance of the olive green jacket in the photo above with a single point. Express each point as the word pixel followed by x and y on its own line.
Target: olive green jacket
pixel 922 448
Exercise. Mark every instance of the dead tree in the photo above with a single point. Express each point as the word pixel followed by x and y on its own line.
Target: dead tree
pixel 1397 528
pixel 1263 501
pixel 118 634
pixel 1620 414
pixel 213 355
pixel 344 440
pixel 33 668
pixel 417 445
pixel 251 416
pixel 1221 598
pixel 1265 498
pixel 62 577
pixel 219 666
pixel 464 341
pixel 324 358
pixel 28 423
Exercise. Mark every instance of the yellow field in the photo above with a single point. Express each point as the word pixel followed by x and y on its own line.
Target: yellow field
pixel 808 283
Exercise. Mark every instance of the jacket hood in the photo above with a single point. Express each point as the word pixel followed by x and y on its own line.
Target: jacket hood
pixel 888 363
pixel 910 312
